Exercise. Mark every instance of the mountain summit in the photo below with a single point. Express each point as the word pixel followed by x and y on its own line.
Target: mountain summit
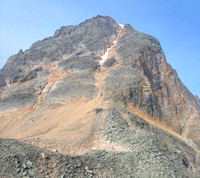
pixel 103 95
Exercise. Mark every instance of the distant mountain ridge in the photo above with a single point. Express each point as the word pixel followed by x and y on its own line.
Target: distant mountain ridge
pixel 100 86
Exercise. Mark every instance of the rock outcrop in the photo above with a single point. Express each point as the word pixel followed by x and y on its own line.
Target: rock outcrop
pixel 103 94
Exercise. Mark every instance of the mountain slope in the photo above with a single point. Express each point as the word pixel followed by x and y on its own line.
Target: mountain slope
pixel 102 86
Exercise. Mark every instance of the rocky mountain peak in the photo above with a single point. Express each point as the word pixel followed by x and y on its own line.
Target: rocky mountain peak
pixel 98 24
pixel 102 89
pixel 99 18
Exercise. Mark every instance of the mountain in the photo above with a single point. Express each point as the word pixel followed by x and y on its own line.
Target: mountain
pixel 96 99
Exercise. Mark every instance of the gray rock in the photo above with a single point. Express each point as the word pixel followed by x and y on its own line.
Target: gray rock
pixel 24 166
pixel 31 173
pixel 74 86
pixel 31 75
pixel 80 63
pixel 29 164
pixel 121 82
pixel 2 80
pixel 18 98
pixel 98 110
pixel 109 62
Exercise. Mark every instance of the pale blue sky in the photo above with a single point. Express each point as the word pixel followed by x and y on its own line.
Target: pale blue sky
pixel 176 23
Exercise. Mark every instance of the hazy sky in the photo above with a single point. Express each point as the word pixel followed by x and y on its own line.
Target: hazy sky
pixel 176 23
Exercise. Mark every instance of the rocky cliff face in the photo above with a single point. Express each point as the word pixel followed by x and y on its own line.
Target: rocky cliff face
pixel 105 90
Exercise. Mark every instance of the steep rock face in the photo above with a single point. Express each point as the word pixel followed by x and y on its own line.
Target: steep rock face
pixel 161 94
pixel 100 86
pixel 177 106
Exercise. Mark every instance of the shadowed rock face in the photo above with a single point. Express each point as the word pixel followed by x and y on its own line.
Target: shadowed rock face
pixel 131 113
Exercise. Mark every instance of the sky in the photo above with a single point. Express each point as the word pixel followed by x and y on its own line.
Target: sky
pixel 176 23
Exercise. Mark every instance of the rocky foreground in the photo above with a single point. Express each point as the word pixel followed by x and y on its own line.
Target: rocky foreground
pixel 144 152
pixel 101 98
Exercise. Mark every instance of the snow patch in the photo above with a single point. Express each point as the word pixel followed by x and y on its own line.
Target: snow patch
pixel 105 56
pixel 121 25
pixel 114 42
